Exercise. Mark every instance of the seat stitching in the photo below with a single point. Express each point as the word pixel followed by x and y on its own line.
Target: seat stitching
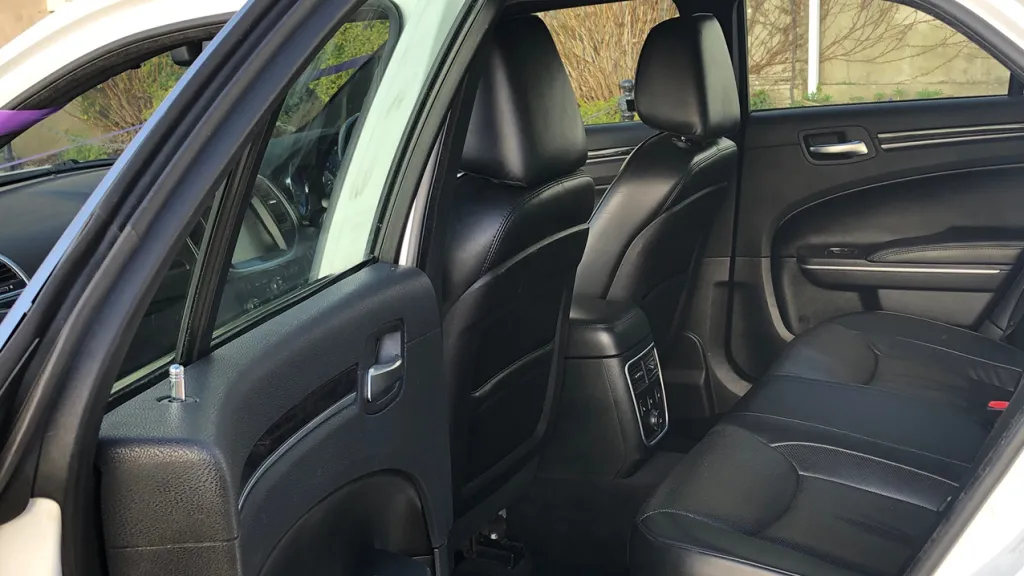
pixel 937 347
pixel 877 357
pixel 622 320
pixel 868 456
pixel 868 490
pixel 685 513
pixel 854 435
pixel 625 164
pixel 888 313
pixel 718 150
pixel 510 214
pixel 866 387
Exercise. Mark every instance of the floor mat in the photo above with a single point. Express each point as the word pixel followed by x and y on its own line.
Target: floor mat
pixel 573 526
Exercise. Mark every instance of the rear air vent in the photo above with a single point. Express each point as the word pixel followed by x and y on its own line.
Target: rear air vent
pixel 12 282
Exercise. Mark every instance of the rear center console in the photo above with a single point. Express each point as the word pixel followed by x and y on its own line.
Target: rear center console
pixel 612 409
pixel 643 373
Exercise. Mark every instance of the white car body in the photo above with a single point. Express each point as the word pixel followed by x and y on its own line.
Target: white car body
pixel 84 27
pixel 995 536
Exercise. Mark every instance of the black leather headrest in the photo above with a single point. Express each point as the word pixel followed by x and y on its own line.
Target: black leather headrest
pixel 526 127
pixel 685 83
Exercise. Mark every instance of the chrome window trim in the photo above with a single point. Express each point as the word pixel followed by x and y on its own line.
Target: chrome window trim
pixel 904 269
pixel 939 136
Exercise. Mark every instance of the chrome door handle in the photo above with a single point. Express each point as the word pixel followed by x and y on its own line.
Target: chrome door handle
pixel 382 378
pixel 852 148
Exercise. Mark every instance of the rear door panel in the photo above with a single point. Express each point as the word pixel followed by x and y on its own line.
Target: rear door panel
pixel 279 444
pixel 815 238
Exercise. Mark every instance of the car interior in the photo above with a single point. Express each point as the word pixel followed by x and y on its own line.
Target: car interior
pixel 698 343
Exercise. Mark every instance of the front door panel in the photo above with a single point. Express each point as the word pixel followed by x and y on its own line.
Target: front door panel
pixel 278 440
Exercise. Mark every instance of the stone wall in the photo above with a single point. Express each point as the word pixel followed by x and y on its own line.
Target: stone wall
pixel 909 56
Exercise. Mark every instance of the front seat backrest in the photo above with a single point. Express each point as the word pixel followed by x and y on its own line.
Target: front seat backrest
pixel 649 229
pixel 516 234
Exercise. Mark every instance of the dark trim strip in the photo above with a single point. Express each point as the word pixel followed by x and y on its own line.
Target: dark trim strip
pixel 608 153
pixel 940 136
pixel 319 405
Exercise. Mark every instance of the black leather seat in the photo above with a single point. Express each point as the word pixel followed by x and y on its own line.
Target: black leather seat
pixel 842 460
pixel 648 230
pixel 517 232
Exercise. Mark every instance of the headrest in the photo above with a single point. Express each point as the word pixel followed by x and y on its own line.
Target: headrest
pixel 525 128
pixel 685 83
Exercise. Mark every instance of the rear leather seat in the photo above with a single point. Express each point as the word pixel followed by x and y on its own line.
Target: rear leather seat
pixel 841 461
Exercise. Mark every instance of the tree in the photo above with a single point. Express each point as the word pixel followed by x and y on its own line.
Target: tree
pixel 128 99
pixel 600 44
pixel 876 31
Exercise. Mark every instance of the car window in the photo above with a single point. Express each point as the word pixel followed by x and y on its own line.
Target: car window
pixel 98 124
pixel 312 139
pixel 600 46
pixel 828 52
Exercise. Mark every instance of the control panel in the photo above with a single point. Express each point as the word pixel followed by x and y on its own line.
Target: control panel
pixel 644 376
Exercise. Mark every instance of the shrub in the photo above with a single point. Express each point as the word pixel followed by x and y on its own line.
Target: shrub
pixel 929 93
pixel 128 99
pixel 818 97
pixel 600 111
pixel 761 99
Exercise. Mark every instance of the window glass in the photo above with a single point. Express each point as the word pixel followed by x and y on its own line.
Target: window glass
pixel 312 140
pixel 157 335
pixel 600 46
pixel 867 51
pixel 274 252
pixel 97 125
pixel 315 206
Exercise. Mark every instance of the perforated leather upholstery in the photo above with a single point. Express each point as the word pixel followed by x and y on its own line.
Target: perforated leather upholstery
pixel 842 460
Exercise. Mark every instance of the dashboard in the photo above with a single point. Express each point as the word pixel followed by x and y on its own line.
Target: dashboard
pixel 273 254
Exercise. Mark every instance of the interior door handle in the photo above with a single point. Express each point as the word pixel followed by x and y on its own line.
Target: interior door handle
pixel 851 148
pixel 382 378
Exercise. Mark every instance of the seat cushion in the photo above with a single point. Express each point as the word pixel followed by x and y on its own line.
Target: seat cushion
pixel 908 355
pixel 842 460
pixel 740 504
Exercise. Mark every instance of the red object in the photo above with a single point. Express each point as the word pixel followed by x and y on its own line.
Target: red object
pixel 998 405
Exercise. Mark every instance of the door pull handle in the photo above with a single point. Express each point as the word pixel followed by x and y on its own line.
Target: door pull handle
pixel 851 148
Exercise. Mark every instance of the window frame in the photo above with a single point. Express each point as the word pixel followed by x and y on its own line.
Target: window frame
pixel 743 60
pixel 89 71
pixel 198 334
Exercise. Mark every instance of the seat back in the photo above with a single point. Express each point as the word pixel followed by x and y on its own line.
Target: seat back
pixel 648 231
pixel 517 231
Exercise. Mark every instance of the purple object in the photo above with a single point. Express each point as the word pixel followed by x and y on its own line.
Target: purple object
pixel 339 68
pixel 97 139
pixel 14 121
